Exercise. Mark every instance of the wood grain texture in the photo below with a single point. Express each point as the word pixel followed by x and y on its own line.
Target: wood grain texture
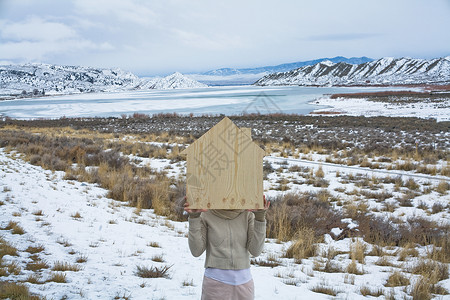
pixel 224 169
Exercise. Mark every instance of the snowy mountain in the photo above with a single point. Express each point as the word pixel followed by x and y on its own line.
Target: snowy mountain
pixel 39 79
pixel 173 81
pixel 285 67
pixel 385 71
pixel 231 76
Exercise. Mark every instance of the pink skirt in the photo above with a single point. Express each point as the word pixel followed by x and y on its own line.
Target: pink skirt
pixel 213 290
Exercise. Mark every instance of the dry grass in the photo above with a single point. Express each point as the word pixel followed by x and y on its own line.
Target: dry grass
pixel 323 289
pixel 440 250
pixel 294 212
pixel 157 258
pixel 432 270
pixel 35 249
pixel 7 249
pixel 64 242
pixel 38 213
pixel 396 279
pixel 352 268
pixel 367 291
pixel 423 289
pixel 76 215
pixel 12 290
pixel 304 246
pixel 57 277
pixel 408 251
pixel 152 272
pixel 442 187
pixel 14 227
pixel 13 268
pixel 154 244
pixel 271 261
pixel 81 259
pixel 64 266
pixel 37 265
pixel 34 279
pixel 384 261
pixel 357 251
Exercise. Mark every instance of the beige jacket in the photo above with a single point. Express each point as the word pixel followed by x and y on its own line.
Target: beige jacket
pixel 228 243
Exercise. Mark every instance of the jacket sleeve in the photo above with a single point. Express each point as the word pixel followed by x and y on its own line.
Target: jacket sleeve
pixel 197 236
pixel 256 235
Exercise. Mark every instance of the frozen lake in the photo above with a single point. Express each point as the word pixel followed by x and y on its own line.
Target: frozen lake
pixel 212 100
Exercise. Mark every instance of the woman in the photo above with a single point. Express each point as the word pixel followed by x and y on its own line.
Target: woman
pixel 229 237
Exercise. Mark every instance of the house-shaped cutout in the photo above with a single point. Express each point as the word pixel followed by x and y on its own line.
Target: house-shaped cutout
pixel 224 169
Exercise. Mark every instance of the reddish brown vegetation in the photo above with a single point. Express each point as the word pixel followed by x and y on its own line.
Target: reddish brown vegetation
pixel 325 113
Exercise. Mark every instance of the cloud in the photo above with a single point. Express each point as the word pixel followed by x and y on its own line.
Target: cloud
pixel 125 11
pixel 36 29
pixel 37 39
pixel 204 42
pixel 342 36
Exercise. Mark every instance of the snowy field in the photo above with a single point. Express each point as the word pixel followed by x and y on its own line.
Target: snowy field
pixel 76 224
pixel 363 107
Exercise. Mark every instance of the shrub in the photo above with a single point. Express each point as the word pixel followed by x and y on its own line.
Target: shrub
pixel 304 246
pixel 294 211
pixel 432 270
pixel 442 187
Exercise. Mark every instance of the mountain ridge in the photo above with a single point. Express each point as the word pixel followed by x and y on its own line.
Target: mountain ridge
pixel 37 79
pixel 283 67
pixel 384 71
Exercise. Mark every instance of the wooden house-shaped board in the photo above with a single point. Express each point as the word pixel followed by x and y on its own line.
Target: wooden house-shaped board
pixel 224 169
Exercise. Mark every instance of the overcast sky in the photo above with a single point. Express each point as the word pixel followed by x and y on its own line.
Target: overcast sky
pixel 150 37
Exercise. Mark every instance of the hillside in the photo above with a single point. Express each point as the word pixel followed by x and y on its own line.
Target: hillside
pixel 39 79
pixel 232 76
pixel 375 217
pixel 173 81
pixel 384 71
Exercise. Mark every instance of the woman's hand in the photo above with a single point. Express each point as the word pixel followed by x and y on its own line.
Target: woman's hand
pixel 190 211
pixel 260 214
pixel 266 205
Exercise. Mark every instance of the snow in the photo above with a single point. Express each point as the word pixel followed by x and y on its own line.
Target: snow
pixel 63 80
pixel 385 71
pixel 116 238
pixel 173 81
pixel 362 107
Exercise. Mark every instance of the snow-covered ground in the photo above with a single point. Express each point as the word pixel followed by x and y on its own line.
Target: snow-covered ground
pixel 362 107
pixel 73 219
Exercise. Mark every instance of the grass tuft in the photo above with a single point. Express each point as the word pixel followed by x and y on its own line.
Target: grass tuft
pixel 57 277
pixel 12 290
pixel 64 266
pixel 152 272
pixel 396 279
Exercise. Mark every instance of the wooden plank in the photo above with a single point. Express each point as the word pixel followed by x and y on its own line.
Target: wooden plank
pixel 224 169
pixel 247 131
